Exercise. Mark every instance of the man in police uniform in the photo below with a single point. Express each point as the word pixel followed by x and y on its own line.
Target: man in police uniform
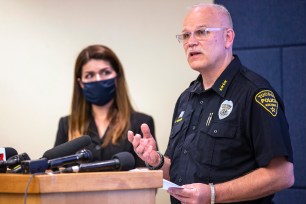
pixel 229 141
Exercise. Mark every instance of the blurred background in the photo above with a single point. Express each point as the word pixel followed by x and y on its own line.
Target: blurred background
pixel 40 40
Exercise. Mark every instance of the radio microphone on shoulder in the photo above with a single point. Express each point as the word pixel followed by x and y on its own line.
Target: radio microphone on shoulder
pixel 122 161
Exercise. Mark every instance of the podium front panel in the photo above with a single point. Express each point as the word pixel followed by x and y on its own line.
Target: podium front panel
pixel 98 187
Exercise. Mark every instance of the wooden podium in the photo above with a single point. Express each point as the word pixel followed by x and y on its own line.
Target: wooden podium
pixel 130 187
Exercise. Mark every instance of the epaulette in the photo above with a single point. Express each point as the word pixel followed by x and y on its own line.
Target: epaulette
pixel 256 79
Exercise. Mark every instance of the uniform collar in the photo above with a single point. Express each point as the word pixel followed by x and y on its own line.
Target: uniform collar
pixel 222 83
pixel 197 85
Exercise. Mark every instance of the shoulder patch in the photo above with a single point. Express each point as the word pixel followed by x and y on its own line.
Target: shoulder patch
pixel 267 100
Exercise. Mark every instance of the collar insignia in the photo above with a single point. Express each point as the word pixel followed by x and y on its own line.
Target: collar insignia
pixel 223 85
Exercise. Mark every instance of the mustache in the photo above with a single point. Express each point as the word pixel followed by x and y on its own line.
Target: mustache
pixel 194 51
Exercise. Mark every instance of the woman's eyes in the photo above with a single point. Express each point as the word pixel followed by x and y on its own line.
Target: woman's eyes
pixel 89 75
pixel 104 72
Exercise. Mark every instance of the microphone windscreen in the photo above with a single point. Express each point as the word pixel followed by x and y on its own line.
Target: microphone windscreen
pixel 14 161
pixel 126 160
pixel 9 152
pixel 68 148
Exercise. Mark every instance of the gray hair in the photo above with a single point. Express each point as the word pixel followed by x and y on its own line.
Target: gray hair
pixel 220 8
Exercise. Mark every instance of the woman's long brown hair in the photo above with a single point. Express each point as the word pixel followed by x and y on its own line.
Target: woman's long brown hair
pixel 81 113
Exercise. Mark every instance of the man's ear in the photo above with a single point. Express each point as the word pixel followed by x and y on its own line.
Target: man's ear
pixel 229 37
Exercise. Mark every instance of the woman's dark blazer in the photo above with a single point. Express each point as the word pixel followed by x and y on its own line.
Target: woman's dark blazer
pixel 106 153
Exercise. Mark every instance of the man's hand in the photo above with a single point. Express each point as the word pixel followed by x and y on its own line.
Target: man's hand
pixel 145 147
pixel 192 193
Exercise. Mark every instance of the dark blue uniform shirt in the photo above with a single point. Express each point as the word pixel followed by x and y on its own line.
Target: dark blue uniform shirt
pixel 227 131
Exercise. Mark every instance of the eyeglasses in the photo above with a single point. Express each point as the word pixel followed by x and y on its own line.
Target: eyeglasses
pixel 199 34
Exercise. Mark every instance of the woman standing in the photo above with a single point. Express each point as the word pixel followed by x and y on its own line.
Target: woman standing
pixel 101 107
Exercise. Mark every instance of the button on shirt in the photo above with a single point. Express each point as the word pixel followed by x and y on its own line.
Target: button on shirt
pixel 227 131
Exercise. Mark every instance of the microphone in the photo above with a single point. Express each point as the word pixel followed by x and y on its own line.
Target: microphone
pixel 68 148
pixel 6 152
pixel 3 166
pixel 122 161
pixel 13 163
pixel 83 155
pixel 62 150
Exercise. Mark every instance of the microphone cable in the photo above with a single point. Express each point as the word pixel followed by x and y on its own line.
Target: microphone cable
pixel 29 182
pixel 27 187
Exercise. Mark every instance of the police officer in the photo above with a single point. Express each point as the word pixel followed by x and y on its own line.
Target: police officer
pixel 229 140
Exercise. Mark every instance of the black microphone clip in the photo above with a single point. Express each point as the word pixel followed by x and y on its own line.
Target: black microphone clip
pixel 34 166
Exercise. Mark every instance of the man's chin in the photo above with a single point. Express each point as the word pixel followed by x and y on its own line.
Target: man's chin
pixel 195 67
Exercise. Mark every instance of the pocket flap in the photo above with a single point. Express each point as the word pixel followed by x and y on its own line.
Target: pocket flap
pixel 176 128
pixel 225 130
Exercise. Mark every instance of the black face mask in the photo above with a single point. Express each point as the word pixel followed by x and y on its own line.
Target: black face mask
pixel 100 92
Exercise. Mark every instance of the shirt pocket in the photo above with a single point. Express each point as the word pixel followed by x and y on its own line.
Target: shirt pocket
pixel 217 144
pixel 174 137
pixel 222 130
pixel 225 144
pixel 176 129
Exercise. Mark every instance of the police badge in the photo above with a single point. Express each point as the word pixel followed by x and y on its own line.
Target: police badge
pixel 225 109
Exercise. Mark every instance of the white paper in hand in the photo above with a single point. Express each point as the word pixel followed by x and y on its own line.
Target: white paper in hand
pixel 167 184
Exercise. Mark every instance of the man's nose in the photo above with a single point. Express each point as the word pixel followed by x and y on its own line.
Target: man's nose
pixel 192 40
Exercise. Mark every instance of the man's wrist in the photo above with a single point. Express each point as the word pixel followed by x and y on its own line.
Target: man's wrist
pixel 161 162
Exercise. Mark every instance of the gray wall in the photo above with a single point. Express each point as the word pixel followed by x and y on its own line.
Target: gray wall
pixel 271 40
